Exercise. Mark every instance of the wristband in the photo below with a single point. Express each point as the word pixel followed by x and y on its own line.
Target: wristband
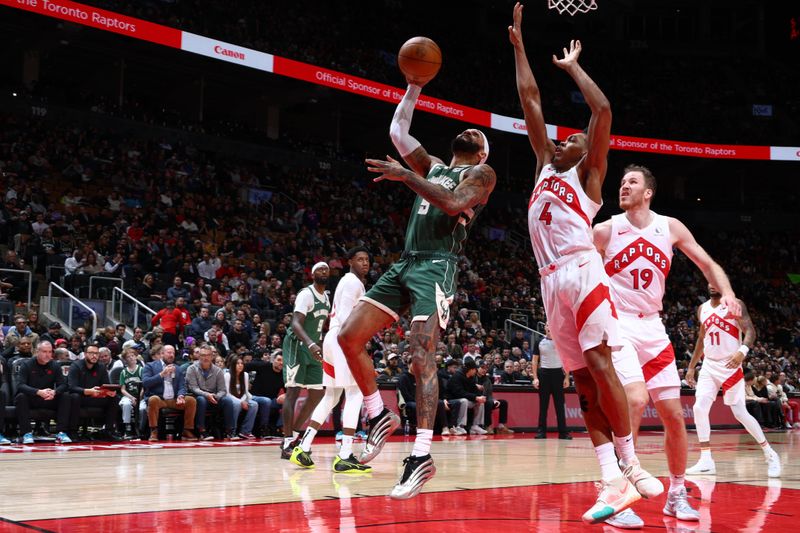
pixel 744 349
pixel 312 344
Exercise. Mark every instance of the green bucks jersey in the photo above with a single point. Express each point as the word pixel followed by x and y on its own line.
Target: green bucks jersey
pixel 316 308
pixel 430 228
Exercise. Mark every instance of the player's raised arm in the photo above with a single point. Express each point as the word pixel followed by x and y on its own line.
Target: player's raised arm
pixel 410 148
pixel 711 270
pixel 529 96
pixel 478 183
pixel 593 166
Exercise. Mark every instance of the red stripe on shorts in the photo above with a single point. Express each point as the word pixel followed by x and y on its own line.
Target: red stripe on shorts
pixel 328 369
pixel 592 302
pixel 658 363
pixel 733 380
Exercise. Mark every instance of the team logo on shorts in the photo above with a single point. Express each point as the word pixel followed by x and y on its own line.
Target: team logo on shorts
pixel 291 373
pixel 443 303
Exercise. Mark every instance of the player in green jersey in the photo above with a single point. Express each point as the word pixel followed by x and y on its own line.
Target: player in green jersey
pixel 449 197
pixel 302 355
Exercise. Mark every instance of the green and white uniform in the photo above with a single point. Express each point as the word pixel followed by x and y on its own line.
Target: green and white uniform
pixel 425 276
pixel 300 369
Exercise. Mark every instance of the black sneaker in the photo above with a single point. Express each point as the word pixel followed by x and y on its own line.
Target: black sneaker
pixel 565 436
pixel 286 453
pixel 301 458
pixel 416 472
pixel 205 436
pixel 380 428
pixel 349 466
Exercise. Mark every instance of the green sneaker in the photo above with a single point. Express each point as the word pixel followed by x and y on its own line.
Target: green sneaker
pixel 301 458
pixel 349 466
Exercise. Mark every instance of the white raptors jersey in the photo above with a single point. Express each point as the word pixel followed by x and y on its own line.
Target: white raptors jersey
pixel 723 336
pixel 637 262
pixel 560 216
pixel 349 290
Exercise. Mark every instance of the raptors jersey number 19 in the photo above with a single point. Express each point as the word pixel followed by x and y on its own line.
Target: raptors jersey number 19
pixel 637 262
pixel 723 336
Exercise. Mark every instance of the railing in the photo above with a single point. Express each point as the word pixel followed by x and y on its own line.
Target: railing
pixel 510 326
pixel 49 272
pixel 118 298
pixel 30 281
pixel 104 278
pixel 72 302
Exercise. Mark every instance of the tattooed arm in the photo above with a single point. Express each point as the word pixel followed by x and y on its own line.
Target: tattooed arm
pixel 473 190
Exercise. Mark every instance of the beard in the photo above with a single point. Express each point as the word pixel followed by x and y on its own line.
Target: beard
pixel 319 280
pixel 463 145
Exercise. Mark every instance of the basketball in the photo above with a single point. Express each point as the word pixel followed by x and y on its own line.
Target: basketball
pixel 420 59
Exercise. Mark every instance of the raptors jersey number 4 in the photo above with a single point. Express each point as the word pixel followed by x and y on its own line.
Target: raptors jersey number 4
pixel 723 336
pixel 560 216
pixel 638 261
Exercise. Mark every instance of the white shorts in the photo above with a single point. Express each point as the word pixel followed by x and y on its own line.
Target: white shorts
pixel 714 375
pixel 578 305
pixel 646 355
pixel 335 371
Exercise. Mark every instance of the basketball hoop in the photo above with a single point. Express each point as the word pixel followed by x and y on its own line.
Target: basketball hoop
pixel 571 7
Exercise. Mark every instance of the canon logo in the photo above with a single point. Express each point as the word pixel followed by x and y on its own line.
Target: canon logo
pixel 519 126
pixel 228 53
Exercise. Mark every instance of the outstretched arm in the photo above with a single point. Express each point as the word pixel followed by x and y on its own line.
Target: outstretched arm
pixel 529 96
pixel 686 243
pixel 409 148
pixel 474 189
pixel 593 167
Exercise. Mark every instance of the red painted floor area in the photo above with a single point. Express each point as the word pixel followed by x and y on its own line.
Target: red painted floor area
pixel 548 508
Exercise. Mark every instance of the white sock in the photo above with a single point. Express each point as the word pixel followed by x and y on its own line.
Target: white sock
pixel 422 443
pixel 608 461
pixel 308 438
pixel 705 455
pixel 675 483
pixel 295 435
pixel 347 447
pixel 374 404
pixel 624 446
pixel 766 448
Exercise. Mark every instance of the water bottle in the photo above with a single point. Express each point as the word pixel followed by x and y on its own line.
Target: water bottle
pixel 406 428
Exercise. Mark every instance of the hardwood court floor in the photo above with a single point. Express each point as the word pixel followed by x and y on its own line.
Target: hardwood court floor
pixel 492 483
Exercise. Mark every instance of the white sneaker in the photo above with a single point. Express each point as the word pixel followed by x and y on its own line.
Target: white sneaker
pixel 647 485
pixel 615 496
pixel 677 505
pixel 773 464
pixel 626 519
pixel 458 430
pixel 703 467
pixel 477 430
pixel 445 431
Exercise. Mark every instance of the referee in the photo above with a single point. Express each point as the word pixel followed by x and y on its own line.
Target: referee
pixel 553 382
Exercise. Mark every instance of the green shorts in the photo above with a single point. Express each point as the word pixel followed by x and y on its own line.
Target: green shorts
pixel 423 281
pixel 300 369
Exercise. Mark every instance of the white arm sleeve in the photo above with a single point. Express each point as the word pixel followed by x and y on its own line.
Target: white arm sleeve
pixel 401 122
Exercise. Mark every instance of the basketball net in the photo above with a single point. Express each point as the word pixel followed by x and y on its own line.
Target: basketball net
pixel 571 7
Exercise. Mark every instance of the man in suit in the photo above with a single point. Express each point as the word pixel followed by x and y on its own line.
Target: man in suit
pixel 165 386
